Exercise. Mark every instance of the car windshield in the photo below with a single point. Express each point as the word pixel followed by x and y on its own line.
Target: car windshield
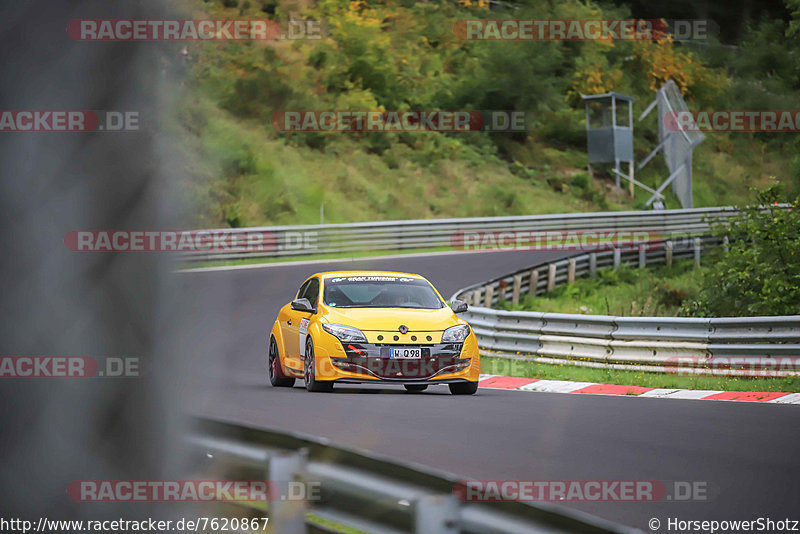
pixel 380 292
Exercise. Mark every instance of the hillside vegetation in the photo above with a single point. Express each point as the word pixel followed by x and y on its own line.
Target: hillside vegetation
pixel 401 55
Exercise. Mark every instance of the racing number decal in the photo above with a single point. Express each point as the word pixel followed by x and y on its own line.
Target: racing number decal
pixel 303 335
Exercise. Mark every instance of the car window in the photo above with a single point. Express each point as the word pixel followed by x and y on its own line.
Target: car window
pixel 380 292
pixel 302 290
pixel 311 292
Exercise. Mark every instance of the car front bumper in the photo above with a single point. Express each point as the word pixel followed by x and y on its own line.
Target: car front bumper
pixel 403 370
pixel 369 363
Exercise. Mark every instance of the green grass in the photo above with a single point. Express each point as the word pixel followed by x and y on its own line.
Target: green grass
pixel 311 517
pixel 533 369
pixel 631 291
pixel 331 525
pixel 243 176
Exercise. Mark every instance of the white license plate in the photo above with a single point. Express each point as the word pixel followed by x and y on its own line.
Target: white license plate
pixel 406 353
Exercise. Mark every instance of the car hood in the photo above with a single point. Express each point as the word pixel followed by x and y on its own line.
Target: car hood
pixel 391 318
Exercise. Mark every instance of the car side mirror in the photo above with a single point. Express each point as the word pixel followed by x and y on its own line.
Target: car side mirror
pixel 459 306
pixel 303 305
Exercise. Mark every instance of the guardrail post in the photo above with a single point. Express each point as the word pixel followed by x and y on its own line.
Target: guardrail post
pixel 285 514
pixel 516 288
pixel 642 256
pixel 436 513
pixel 571 271
pixel 476 297
pixel 533 283
pixel 668 249
pixel 726 244
pixel 697 249
pixel 489 293
pixel 593 265
pixel 617 258
pixel 501 290
pixel 551 276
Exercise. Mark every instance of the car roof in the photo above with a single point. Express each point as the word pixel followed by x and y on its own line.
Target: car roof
pixel 331 274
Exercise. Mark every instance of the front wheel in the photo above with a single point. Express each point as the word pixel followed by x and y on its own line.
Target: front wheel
pixel 276 376
pixel 309 374
pixel 464 388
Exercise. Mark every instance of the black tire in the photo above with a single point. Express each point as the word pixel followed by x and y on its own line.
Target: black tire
pixel 276 376
pixel 415 387
pixel 308 371
pixel 464 388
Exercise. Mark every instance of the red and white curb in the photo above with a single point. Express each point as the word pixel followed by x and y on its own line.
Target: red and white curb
pixel 568 386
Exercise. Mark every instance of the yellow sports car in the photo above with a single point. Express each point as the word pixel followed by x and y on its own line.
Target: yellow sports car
pixel 360 327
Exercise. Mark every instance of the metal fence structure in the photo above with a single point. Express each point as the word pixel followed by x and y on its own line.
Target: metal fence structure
pixel 747 346
pixel 440 234
pixel 362 491
pixel 676 143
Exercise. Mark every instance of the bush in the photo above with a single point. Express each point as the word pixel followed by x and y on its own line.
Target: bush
pixel 581 180
pixel 557 182
pixel 269 6
pixel 761 273
pixel 669 296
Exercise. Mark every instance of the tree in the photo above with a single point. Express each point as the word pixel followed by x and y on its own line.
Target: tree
pixel 760 275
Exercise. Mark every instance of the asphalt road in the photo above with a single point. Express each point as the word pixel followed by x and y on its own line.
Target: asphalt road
pixel 744 454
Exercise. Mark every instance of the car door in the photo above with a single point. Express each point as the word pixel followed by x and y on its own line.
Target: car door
pixel 312 294
pixel 296 326
pixel 290 327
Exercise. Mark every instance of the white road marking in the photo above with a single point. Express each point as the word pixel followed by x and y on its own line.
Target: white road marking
pixel 691 394
pixel 659 392
pixel 794 398
pixel 556 386
pixel 569 386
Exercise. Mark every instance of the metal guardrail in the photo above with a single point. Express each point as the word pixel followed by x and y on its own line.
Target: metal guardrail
pixel 365 492
pixel 304 240
pixel 546 276
pixel 746 346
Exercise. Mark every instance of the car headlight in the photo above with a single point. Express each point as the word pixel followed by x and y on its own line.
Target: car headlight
pixel 455 334
pixel 346 334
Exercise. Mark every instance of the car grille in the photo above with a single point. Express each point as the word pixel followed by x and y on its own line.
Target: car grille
pixel 374 360
pixel 383 350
